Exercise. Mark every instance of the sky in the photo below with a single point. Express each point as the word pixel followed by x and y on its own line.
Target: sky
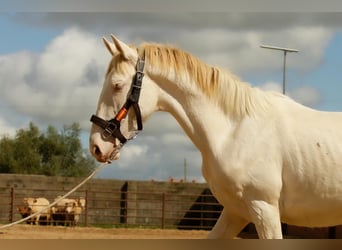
pixel 52 67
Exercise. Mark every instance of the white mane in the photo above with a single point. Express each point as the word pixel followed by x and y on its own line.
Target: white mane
pixel 235 97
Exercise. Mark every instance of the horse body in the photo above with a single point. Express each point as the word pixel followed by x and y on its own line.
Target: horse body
pixel 297 168
pixel 286 158
pixel 312 163
pixel 265 157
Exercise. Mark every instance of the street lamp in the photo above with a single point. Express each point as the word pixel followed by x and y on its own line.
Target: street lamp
pixel 285 50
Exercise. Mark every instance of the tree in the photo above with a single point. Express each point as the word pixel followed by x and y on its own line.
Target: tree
pixel 26 152
pixel 51 153
pixel 6 155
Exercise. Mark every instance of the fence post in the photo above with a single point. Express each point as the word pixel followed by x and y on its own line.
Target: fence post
pixel 12 204
pixel 86 208
pixel 202 209
pixel 163 210
pixel 123 203
pixel 332 232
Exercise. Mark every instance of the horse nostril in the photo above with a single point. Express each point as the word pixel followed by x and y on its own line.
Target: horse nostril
pixel 97 150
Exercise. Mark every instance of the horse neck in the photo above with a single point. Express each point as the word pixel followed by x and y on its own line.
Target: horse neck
pixel 202 121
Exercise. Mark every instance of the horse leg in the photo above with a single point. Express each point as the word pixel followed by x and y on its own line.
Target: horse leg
pixel 227 226
pixel 266 219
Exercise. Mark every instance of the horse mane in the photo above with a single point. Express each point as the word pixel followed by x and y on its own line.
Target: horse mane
pixel 235 97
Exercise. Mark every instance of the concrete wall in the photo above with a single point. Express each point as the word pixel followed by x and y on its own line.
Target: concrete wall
pixel 29 182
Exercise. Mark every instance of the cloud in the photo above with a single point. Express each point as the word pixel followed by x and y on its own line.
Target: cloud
pixel 227 39
pixel 175 21
pixel 6 129
pixel 61 83
pixel 240 51
pixel 56 86
pixel 157 153
pixel 272 86
pixel 148 158
pixel 174 139
pixel 306 95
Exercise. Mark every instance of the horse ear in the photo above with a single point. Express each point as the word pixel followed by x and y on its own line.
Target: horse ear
pixel 111 48
pixel 124 49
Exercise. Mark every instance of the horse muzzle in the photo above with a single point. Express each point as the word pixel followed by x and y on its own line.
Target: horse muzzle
pixel 102 157
pixel 104 151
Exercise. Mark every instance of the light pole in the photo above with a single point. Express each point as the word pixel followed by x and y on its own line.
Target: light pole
pixel 285 50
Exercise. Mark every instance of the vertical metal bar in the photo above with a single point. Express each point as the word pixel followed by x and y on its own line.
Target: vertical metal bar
pixel 86 208
pixel 12 205
pixel 332 232
pixel 202 211
pixel 185 170
pixel 127 208
pixel 163 210
pixel 284 65
pixel 284 72
pixel 123 204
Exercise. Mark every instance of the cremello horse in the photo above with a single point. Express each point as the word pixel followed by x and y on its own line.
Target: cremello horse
pixel 265 157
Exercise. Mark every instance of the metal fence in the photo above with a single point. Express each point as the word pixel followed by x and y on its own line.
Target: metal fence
pixel 144 209
pixel 126 209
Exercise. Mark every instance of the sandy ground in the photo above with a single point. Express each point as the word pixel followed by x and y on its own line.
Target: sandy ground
pixel 59 232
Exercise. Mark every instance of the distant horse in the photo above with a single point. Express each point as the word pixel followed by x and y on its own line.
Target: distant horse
pixel 265 157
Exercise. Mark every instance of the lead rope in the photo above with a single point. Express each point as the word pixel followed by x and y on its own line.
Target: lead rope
pixel 100 167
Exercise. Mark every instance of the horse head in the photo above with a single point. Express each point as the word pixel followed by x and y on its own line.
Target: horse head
pixel 126 100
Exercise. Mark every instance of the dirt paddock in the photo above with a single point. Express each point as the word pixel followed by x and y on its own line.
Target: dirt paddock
pixel 59 232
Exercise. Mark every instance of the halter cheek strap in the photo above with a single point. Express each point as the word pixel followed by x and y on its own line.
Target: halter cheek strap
pixel 111 128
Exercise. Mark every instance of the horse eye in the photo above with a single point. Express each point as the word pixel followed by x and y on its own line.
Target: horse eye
pixel 118 87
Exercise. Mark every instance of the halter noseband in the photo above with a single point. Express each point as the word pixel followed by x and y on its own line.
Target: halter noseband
pixel 111 128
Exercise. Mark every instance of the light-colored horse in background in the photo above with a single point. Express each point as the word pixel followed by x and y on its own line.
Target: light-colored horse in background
pixel 265 157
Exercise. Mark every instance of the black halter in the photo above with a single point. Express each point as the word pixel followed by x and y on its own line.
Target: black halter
pixel 111 128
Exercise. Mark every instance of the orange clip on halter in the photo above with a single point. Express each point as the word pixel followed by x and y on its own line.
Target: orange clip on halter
pixel 121 114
